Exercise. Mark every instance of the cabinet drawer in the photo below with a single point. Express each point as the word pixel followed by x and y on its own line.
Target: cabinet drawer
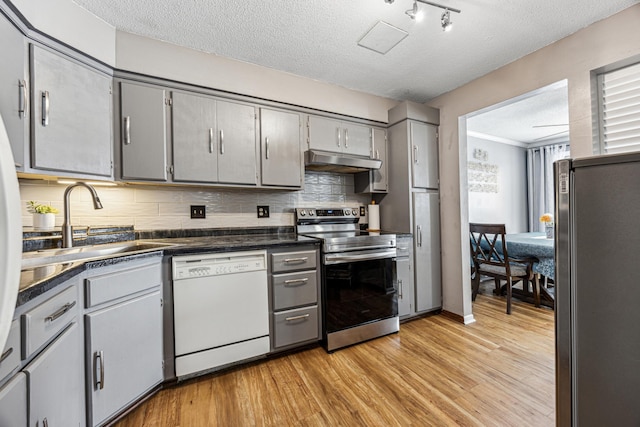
pixel 291 261
pixel 46 320
pixel 294 326
pixel 111 286
pixel 294 289
pixel 10 356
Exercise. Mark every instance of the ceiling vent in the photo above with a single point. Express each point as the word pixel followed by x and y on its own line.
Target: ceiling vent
pixel 382 37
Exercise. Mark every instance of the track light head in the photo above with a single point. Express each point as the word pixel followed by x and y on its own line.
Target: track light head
pixel 414 12
pixel 445 21
pixel 389 1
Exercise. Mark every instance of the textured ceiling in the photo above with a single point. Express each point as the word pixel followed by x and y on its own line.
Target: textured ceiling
pixel 319 38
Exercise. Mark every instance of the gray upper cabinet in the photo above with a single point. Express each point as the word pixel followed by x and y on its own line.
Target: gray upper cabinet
pixel 143 134
pixel 14 90
pixel 71 116
pixel 195 152
pixel 379 178
pixel 339 136
pixel 281 158
pixel 424 146
pixel 236 131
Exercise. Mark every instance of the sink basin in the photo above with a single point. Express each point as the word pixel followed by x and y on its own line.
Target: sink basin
pixel 86 253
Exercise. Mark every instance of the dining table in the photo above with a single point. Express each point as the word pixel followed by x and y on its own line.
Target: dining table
pixel 536 245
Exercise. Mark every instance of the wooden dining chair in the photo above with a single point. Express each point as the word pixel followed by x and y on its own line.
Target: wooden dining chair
pixel 490 258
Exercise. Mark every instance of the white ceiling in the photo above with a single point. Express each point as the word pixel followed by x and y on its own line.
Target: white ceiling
pixel 319 38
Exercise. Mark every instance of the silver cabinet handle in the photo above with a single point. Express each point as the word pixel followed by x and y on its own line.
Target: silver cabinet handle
pixel 400 288
pixel 211 140
pixel 22 98
pixel 99 383
pixel 292 318
pixel 266 143
pixel 45 108
pixel 415 154
pixel 221 141
pixel 346 138
pixel 296 281
pixel 378 154
pixel 127 130
pixel 339 136
pixel 55 315
pixel 301 259
pixel 419 233
pixel 45 423
pixel 6 354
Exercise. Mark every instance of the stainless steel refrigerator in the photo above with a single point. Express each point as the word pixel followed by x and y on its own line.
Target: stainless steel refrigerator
pixel 597 250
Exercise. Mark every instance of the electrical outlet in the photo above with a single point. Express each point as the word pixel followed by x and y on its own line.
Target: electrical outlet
pixel 362 211
pixel 263 211
pixel 198 211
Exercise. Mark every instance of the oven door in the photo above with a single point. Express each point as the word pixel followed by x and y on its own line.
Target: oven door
pixel 358 288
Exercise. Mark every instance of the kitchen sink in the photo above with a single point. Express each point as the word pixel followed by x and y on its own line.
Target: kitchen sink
pixel 86 253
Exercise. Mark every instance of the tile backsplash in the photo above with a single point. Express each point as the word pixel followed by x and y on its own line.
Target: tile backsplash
pixel 167 207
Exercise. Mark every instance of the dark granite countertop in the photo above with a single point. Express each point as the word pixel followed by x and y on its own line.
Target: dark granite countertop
pixel 36 281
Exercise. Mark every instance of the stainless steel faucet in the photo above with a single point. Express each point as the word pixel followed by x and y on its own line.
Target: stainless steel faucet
pixel 67 235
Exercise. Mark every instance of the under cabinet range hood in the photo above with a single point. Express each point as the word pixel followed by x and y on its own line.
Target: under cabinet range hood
pixel 326 161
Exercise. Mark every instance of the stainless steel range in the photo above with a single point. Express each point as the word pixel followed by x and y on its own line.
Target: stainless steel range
pixel 359 300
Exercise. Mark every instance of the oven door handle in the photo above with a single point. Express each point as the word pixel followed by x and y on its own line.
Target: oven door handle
pixel 342 258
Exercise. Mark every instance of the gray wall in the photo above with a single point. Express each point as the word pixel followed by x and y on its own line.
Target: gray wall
pixel 497 185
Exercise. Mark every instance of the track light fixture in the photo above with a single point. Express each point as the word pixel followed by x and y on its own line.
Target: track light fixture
pixel 417 14
pixel 414 12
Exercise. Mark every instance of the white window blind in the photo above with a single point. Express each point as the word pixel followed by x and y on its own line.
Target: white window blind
pixel 620 110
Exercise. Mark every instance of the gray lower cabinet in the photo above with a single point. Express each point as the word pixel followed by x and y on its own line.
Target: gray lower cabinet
pixel 13 401
pixel 428 287
pixel 281 158
pixel 295 297
pixel 404 275
pixel 123 336
pixel 56 382
pixel 143 132
pixel 213 140
pixel 71 115
pixel 14 90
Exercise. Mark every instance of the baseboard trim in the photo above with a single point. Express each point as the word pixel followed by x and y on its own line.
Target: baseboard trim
pixel 465 320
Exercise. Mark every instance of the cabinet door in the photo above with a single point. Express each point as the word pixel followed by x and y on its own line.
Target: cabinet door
pixel 325 134
pixel 56 388
pixel 124 354
pixel 424 147
pixel 71 121
pixel 379 150
pixel 13 401
pixel 237 162
pixel 281 159
pixel 404 287
pixel 428 286
pixel 14 92
pixel 143 132
pixel 357 139
pixel 195 153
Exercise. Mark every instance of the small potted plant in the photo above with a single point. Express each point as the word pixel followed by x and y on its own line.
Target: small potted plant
pixel 547 220
pixel 44 216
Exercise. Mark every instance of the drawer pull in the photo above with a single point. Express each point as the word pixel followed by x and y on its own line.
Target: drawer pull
pixel 45 423
pixel 296 281
pixel 6 354
pixel 68 306
pixel 302 316
pixel 301 259
pixel 99 380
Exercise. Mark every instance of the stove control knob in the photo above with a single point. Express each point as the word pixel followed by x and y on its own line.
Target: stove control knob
pixel 311 212
pixel 354 212
pixel 303 212
pixel 347 212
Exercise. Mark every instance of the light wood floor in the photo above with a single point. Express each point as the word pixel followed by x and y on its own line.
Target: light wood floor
pixel 498 371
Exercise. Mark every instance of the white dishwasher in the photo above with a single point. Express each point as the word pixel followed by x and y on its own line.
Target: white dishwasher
pixel 220 308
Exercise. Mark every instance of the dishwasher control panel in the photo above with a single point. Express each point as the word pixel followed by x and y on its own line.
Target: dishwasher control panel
pixel 205 265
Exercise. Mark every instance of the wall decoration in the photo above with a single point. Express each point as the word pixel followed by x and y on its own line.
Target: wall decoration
pixel 482 177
